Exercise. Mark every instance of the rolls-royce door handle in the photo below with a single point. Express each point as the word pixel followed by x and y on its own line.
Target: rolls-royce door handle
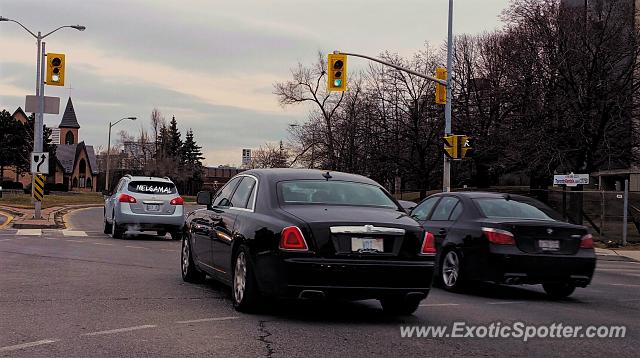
pixel 442 231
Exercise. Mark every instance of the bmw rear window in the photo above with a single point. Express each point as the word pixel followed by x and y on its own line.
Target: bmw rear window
pixel 514 208
pixel 334 192
pixel 152 187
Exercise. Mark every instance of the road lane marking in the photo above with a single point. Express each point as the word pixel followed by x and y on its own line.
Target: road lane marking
pixel 102 243
pixel 119 330
pixel 622 284
pixel 619 270
pixel 80 241
pixel 27 345
pixel 6 239
pixel 135 247
pixel 503 302
pixel 73 233
pixel 170 250
pixel 208 319
pixel 29 232
pixel 438 304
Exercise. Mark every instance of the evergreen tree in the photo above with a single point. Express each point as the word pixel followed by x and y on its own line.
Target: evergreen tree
pixel 175 142
pixel 191 152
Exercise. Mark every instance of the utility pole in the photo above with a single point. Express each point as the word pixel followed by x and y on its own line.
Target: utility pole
pixel 446 172
pixel 39 121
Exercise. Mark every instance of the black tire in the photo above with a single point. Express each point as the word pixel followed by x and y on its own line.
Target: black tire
pixel 117 232
pixel 450 272
pixel 559 289
pixel 190 272
pixel 176 235
pixel 161 233
pixel 245 296
pixel 399 305
pixel 107 227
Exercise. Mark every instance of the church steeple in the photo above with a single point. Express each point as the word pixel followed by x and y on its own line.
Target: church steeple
pixel 69 125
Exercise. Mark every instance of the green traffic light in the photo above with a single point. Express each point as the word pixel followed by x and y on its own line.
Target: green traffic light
pixel 337 83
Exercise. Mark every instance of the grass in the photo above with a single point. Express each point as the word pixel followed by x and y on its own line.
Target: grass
pixel 24 200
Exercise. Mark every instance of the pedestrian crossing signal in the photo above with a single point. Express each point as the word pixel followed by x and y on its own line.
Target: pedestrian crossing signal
pixel 457 146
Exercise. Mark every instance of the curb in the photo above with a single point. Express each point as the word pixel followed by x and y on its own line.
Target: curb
pixel 60 215
pixel 615 258
pixel 57 215
pixel 8 221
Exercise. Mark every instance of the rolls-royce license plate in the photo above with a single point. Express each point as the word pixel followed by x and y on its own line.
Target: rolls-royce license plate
pixel 359 244
pixel 550 245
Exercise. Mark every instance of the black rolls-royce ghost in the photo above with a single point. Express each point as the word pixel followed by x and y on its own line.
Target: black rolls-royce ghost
pixel 506 239
pixel 308 234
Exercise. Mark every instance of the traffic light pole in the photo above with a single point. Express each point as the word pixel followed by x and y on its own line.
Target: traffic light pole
pixel 446 170
pixel 38 123
pixel 400 68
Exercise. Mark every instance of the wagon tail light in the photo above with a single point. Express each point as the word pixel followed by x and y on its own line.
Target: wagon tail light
pixel 177 201
pixel 586 242
pixel 498 237
pixel 428 244
pixel 126 198
pixel 291 239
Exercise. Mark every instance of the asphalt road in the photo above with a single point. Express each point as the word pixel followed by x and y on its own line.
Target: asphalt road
pixel 63 294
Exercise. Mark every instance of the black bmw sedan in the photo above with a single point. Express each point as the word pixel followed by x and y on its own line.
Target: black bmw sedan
pixel 301 233
pixel 505 239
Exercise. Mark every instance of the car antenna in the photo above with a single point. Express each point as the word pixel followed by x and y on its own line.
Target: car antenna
pixel 327 176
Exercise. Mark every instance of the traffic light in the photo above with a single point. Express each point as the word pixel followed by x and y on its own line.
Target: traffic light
pixel 55 69
pixel 441 90
pixel 451 146
pixel 457 146
pixel 337 72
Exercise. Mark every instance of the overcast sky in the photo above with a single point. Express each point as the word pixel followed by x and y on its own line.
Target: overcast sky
pixel 210 63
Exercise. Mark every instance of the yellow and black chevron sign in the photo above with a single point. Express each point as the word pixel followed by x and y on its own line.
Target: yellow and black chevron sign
pixel 38 187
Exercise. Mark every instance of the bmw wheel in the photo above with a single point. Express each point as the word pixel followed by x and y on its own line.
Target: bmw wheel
pixel 450 270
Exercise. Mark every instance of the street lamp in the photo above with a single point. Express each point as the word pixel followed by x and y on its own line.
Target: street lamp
pixel 37 130
pixel 106 184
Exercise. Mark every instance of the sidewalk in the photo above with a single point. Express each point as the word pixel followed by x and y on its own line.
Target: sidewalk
pixel 618 255
pixel 52 218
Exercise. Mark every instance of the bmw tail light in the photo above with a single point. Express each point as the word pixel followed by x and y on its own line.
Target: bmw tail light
pixel 177 201
pixel 498 237
pixel 586 242
pixel 428 244
pixel 291 239
pixel 126 198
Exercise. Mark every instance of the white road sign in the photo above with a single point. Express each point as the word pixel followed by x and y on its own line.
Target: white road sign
pixel 40 163
pixel 571 179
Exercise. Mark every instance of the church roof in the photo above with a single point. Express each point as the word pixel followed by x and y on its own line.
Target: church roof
pixel 69 119
pixel 67 154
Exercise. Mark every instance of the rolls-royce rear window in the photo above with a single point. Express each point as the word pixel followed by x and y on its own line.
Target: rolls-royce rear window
pixel 333 192
pixel 152 187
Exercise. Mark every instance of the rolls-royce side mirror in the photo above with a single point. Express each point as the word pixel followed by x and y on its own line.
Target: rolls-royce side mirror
pixel 204 198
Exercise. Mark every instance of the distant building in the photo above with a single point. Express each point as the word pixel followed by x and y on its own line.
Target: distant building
pixel 74 164
pixel 76 167
pixel 215 177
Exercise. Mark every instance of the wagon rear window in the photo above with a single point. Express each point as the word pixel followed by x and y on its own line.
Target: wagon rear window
pixel 334 192
pixel 152 187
